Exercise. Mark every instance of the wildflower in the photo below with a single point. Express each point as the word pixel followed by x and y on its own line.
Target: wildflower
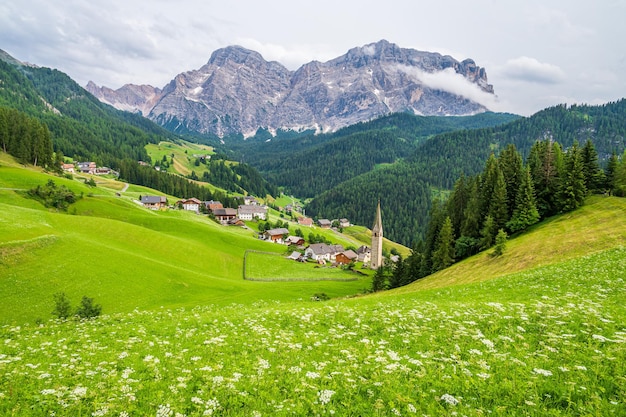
pixel 325 396
pixel 543 372
pixel 164 411
pixel 312 375
pixel 449 399
pixel 411 408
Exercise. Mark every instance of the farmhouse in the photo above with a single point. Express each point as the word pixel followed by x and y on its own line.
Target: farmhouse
pixel 225 215
pixel 103 171
pixel 364 254
pixel 68 168
pixel 154 202
pixel 249 212
pixel 294 240
pixel 191 204
pixel 87 167
pixel 344 223
pixel 276 235
pixel 249 200
pixel 346 257
pixel 324 223
pixel 305 221
pixel 212 205
pixel 322 251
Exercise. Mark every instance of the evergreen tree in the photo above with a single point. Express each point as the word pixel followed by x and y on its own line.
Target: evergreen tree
pixel 619 178
pixel 594 177
pixel 398 277
pixel 510 162
pixel 471 215
pixel 498 204
pixel 443 256
pixel 434 225
pixel 378 281
pixel 572 191
pixel 545 162
pixel 500 246
pixel 488 233
pixel 525 213
pixel 609 176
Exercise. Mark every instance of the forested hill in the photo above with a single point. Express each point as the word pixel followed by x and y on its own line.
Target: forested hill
pixel 85 129
pixel 308 165
pixel 439 161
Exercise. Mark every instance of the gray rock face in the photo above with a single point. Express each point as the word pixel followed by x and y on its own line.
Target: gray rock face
pixel 237 91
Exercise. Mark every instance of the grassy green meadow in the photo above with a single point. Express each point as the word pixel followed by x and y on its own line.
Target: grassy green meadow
pixel 124 256
pixel 539 331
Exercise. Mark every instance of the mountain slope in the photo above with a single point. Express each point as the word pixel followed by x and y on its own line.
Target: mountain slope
pixel 440 160
pixel 238 92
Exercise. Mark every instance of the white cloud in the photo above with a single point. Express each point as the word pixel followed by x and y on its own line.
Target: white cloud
pixel 531 70
pixel 448 80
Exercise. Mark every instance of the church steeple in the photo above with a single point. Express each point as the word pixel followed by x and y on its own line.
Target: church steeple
pixel 377 240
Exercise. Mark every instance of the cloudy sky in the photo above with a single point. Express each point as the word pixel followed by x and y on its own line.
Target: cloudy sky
pixel 537 53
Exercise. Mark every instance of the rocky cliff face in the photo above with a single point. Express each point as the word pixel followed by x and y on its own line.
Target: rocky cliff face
pixel 237 91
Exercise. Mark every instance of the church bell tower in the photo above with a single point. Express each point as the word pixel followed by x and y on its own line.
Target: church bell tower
pixel 377 240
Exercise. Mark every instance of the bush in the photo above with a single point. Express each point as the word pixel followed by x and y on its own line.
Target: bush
pixel 62 306
pixel 88 309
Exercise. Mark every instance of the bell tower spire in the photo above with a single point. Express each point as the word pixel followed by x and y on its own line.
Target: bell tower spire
pixel 377 240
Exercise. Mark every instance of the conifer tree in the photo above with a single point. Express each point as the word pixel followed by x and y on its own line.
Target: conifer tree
pixel 488 233
pixel 619 178
pixel 398 276
pixel 525 213
pixel 609 176
pixel 378 282
pixel 594 177
pixel 572 191
pixel 443 256
pixel 510 162
pixel 471 215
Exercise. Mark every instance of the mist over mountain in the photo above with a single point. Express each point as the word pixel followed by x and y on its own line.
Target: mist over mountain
pixel 238 91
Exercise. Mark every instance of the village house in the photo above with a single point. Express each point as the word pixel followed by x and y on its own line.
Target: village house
pixel 154 202
pixel 344 223
pixel 296 256
pixel 305 221
pixel 87 167
pixel 346 257
pixel 276 235
pixel 249 200
pixel 323 252
pixel 294 240
pixel 364 254
pixel 103 171
pixel 324 223
pixel 212 205
pixel 250 212
pixel 68 168
pixel 191 204
pixel 225 215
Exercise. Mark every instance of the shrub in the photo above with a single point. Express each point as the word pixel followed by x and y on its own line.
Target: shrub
pixel 88 309
pixel 62 306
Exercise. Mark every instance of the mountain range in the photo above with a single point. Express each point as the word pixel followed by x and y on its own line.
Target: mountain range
pixel 238 92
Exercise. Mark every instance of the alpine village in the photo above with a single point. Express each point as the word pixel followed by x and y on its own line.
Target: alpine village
pixel 349 243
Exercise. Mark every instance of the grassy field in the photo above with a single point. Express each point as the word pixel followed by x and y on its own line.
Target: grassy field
pixel 538 331
pixel 545 342
pixel 183 155
pixel 124 256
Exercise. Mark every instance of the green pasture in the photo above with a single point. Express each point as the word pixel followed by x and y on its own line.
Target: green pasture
pixel 124 256
pixel 542 342
pixel 268 267
pixel 184 161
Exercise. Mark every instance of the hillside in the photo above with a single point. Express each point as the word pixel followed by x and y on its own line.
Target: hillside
pixel 126 257
pixel 439 161
pixel 547 340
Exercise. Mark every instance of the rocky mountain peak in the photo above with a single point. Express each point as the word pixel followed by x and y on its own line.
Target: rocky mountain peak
pixel 238 91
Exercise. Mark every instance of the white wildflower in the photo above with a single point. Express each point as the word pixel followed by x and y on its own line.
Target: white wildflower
pixel 324 396
pixel 543 372
pixel 449 399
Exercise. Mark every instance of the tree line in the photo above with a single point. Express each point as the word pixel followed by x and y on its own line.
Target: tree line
pixel 507 197
pixel 26 138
